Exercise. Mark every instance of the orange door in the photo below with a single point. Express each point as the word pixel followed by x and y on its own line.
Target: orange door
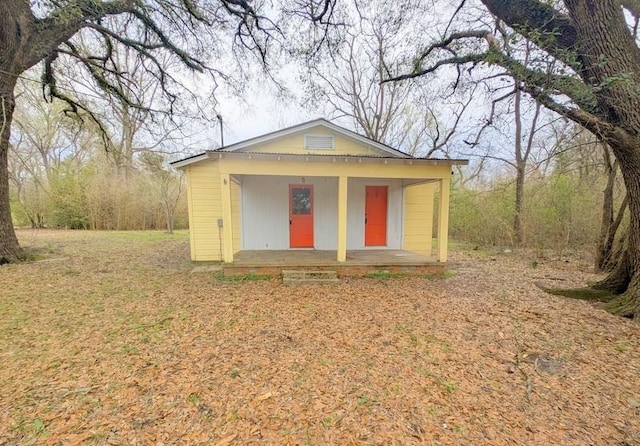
pixel 375 216
pixel 300 216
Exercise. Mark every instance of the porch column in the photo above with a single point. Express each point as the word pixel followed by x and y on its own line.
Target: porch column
pixel 342 219
pixel 443 219
pixel 227 224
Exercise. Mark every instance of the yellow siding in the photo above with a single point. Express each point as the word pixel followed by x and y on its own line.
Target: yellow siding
pixel 192 238
pixel 235 216
pixel 339 168
pixel 418 218
pixel 295 144
pixel 205 208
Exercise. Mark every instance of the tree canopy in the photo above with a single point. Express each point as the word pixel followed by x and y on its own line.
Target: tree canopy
pixel 586 68
pixel 65 37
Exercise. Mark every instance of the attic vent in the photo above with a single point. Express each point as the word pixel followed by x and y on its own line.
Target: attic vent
pixel 318 142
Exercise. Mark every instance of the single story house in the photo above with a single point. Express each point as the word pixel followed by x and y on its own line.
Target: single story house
pixel 317 186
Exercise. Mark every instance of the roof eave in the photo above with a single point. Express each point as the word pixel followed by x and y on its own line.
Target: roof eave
pixel 337 157
pixel 216 154
pixel 180 164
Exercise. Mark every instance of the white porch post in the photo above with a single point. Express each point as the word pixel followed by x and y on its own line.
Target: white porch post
pixel 227 224
pixel 443 219
pixel 342 218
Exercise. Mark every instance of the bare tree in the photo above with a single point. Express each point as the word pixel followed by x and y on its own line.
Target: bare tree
pixel 43 138
pixel 132 129
pixel 169 185
pixel 522 153
pixel 348 79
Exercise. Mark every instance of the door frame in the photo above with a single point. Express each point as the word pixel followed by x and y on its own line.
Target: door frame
pixel 311 218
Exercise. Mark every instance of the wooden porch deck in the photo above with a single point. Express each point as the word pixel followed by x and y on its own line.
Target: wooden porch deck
pixel 358 262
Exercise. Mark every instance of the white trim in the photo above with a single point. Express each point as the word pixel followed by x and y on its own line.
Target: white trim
pixel 194 159
pixel 335 158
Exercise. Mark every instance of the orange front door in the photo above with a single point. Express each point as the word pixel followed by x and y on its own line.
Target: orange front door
pixel 375 216
pixel 300 216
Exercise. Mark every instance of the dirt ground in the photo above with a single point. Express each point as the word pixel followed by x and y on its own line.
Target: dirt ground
pixel 109 339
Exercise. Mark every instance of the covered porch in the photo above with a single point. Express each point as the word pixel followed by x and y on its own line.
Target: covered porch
pixel 254 194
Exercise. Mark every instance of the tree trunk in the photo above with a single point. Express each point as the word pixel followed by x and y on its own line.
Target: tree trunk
pixel 9 249
pixel 582 31
pixel 520 166
pixel 169 216
pixel 519 205
pixel 603 251
pixel 606 255
pixel 625 277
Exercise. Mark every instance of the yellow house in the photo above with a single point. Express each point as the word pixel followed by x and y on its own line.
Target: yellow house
pixel 315 186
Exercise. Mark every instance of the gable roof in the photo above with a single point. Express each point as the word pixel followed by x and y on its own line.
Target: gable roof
pixel 268 137
pixel 320 122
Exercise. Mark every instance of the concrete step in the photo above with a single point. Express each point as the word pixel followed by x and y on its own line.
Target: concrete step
pixel 292 277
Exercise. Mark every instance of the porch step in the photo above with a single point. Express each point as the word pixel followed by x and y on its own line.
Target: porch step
pixel 293 277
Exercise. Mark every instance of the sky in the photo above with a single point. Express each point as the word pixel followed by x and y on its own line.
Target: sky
pixel 261 108
pixel 261 112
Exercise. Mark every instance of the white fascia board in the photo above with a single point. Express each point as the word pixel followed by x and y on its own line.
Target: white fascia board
pixel 187 161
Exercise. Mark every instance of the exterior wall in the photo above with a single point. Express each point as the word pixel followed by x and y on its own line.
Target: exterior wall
pixel 418 218
pixel 205 208
pixel 295 144
pixel 265 216
pixel 236 216
pixel 325 218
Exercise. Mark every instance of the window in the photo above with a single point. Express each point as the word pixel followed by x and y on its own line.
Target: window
pixel 318 142
pixel 301 200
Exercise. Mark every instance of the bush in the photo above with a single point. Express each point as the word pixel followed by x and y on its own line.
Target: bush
pixel 561 211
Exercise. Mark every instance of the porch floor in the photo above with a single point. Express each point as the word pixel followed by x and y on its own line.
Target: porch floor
pixel 358 262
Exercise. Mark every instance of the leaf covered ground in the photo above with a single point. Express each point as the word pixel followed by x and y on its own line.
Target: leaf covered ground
pixel 109 339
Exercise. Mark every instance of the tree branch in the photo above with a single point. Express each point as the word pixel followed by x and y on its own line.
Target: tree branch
pixel 551 30
pixel 570 86
pixel 66 21
pixel 49 82
pixel 591 122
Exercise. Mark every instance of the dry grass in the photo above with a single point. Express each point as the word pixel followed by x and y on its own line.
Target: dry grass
pixel 113 341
